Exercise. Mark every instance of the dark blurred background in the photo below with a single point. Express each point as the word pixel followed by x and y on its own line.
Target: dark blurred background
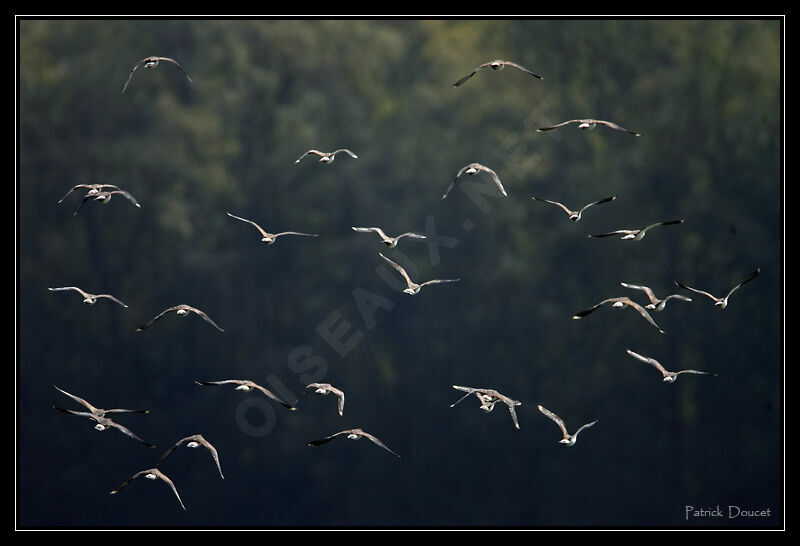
pixel 706 96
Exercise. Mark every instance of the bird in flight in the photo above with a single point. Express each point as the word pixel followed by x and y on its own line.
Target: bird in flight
pixel 655 304
pixel 619 303
pixel 722 303
pixel 669 377
pixel 98 411
pixel 181 310
pixel 575 215
pixel 92 189
pixel 151 474
pixel 495 65
pixel 413 288
pixel 151 62
pixel 269 238
pixel 636 234
pixel 488 398
pixel 194 442
pixel 104 423
pixel 88 298
pixel 353 434
pixel 391 242
pixel 568 439
pixel 473 169
pixel 247 386
pixel 105 197
pixel 588 124
pixel 326 157
pixel 327 388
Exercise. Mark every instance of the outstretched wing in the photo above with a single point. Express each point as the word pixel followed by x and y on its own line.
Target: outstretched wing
pixel 412 235
pixel 540 129
pixel 587 425
pixel 264 233
pixel 375 441
pixel 206 318
pixel 696 290
pixel 273 397
pixel 130 75
pixel 606 200
pixel 437 281
pixel 642 311
pixel 161 314
pixel 399 268
pixel 652 361
pixel 317 152
pixel 296 233
pixel 348 152
pixel 556 203
pixel 112 298
pixel 176 63
pixel 695 372
pixel 78 399
pixel 515 65
pixel 747 280
pixel 617 232
pixel 129 480
pixel 465 78
pixel 669 223
pixel 75 288
pixel 618 128
pixel 494 176
pixel 377 230
pixel 328 438
pixel 556 419
pixel 646 289
pixel 125 431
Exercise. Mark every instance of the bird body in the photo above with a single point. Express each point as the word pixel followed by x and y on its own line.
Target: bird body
pixel 668 376
pixel 353 434
pixel 246 385
pixel 89 299
pixel 656 304
pixel 575 215
pixel 620 302
pixel 181 310
pixel 636 234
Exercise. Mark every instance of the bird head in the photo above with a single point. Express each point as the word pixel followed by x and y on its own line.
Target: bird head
pixel 89 301
pixel 669 379
pixel 268 240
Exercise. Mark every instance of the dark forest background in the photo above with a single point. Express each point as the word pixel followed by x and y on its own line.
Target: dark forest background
pixel 706 96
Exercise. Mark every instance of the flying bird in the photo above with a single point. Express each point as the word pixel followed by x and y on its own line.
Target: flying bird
pixel 391 242
pixel 636 234
pixel 247 386
pixel 269 238
pixel 151 62
pixel 669 377
pixel 97 411
pixel 105 197
pixel 104 423
pixel 413 288
pixel 619 303
pixel 353 434
pixel 181 310
pixel 326 157
pixel 327 388
pixel 495 65
pixel 92 189
pixel 473 169
pixel 194 442
pixel 655 304
pixel 151 474
pixel 575 215
pixel 722 303
pixel 488 398
pixel 88 298
pixel 568 439
pixel 590 124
